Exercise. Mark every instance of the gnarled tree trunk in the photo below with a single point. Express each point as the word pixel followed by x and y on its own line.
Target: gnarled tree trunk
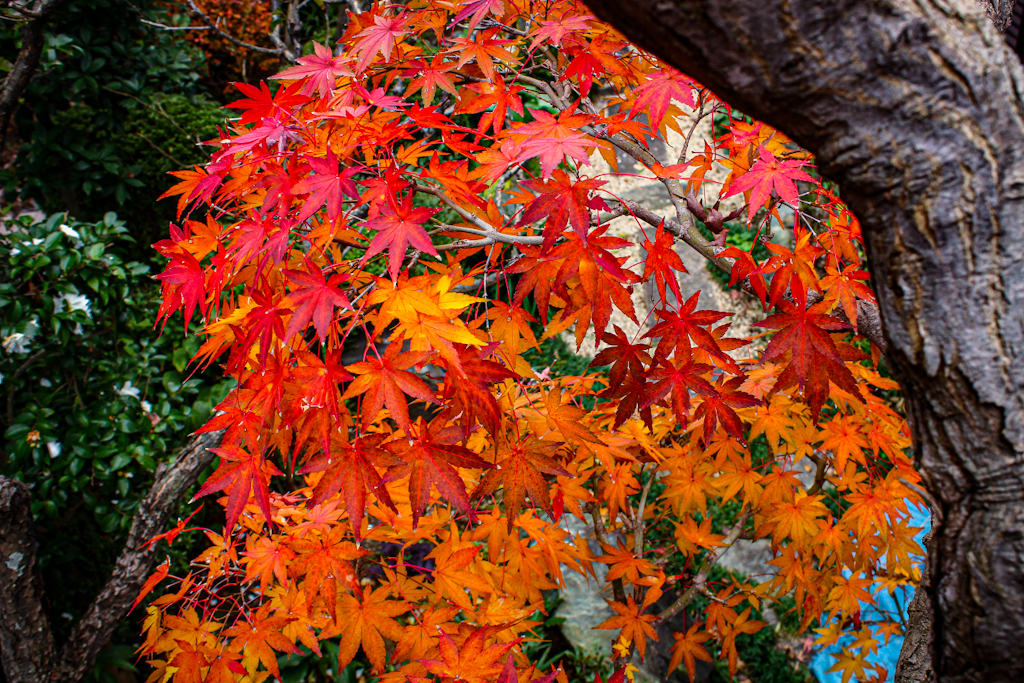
pixel 915 107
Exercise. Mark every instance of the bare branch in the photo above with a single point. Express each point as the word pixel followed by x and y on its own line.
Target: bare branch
pixel 230 38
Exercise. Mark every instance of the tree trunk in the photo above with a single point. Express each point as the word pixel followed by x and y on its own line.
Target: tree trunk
pixel 915 108
pixel 27 650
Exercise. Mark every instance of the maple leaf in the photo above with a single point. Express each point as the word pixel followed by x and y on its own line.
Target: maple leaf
pixel 398 226
pixel 319 70
pixel 625 358
pixel 430 458
pixel 384 380
pixel 813 357
pixel 661 260
pixel 720 407
pixel 677 378
pixel 691 536
pixel 479 9
pixel 183 285
pixel 430 77
pixel 768 174
pixel 325 561
pixel 469 390
pixel 746 268
pixel 268 559
pixel 198 184
pixel 241 473
pixel 636 626
pixel 315 299
pixel 473 663
pixel 379 39
pixel 452 576
pixel 623 563
pixel 351 469
pixel 495 99
pixel 368 619
pixel 261 104
pixel 560 201
pixel 519 470
pixel 655 95
pixel 327 186
pixel 687 649
pixel 845 288
pixel 259 636
pixel 677 330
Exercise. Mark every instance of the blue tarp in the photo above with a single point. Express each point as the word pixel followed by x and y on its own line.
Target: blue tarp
pixel 887 654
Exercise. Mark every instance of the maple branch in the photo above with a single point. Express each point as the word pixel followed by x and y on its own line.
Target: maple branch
pixel 134 565
pixel 230 38
pixel 24 67
pixel 602 537
pixel 701 578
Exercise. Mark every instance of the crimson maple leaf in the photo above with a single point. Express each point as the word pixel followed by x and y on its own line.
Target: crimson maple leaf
pixel 241 473
pixel 625 357
pixel 351 469
pixel 661 260
pixel 520 471
pixel 398 226
pixel 315 299
pixel 470 390
pixel 379 39
pixel 384 380
pixel 657 94
pixel 678 377
pixel 320 70
pixel 261 104
pixel 479 10
pixel 431 455
pixel 720 406
pixel 745 267
pixel 561 201
pixel 327 186
pixel 183 287
pixel 767 174
pixel 677 330
pixel 814 358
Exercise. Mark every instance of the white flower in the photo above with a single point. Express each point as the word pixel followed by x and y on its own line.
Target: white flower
pixel 127 390
pixel 78 329
pixel 37 241
pixel 70 232
pixel 54 448
pixel 17 343
pixel 15 252
pixel 147 406
pixel 76 302
pixel 45 383
pixel 1 378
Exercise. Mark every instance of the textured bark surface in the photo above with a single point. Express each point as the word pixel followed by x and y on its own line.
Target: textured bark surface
pixel 915 108
pixel 34 15
pixel 26 643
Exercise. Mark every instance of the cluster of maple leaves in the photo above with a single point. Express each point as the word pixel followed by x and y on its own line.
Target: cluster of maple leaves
pixel 375 245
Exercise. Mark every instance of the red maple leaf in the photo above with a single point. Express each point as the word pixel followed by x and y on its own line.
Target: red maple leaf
pixel 768 174
pixel 553 31
pixel 379 39
pixel 479 10
pixel 720 406
pixel 495 99
pixel 431 456
pixel 661 260
pixel 677 331
pixel 240 474
pixel 261 104
pixel 385 380
pixel 813 357
pixel 398 226
pixel 519 471
pixel 321 69
pixel 625 357
pixel 351 469
pixel 657 94
pixel 183 287
pixel 561 201
pixel 327 186
pixel 745 267
pixel 315 298
pixel 471 393
pixel 678 377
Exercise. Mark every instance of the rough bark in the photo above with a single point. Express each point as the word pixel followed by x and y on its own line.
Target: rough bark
pixel 1000 12
pixel 34 17
pixel 26 643
pixel 915 108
